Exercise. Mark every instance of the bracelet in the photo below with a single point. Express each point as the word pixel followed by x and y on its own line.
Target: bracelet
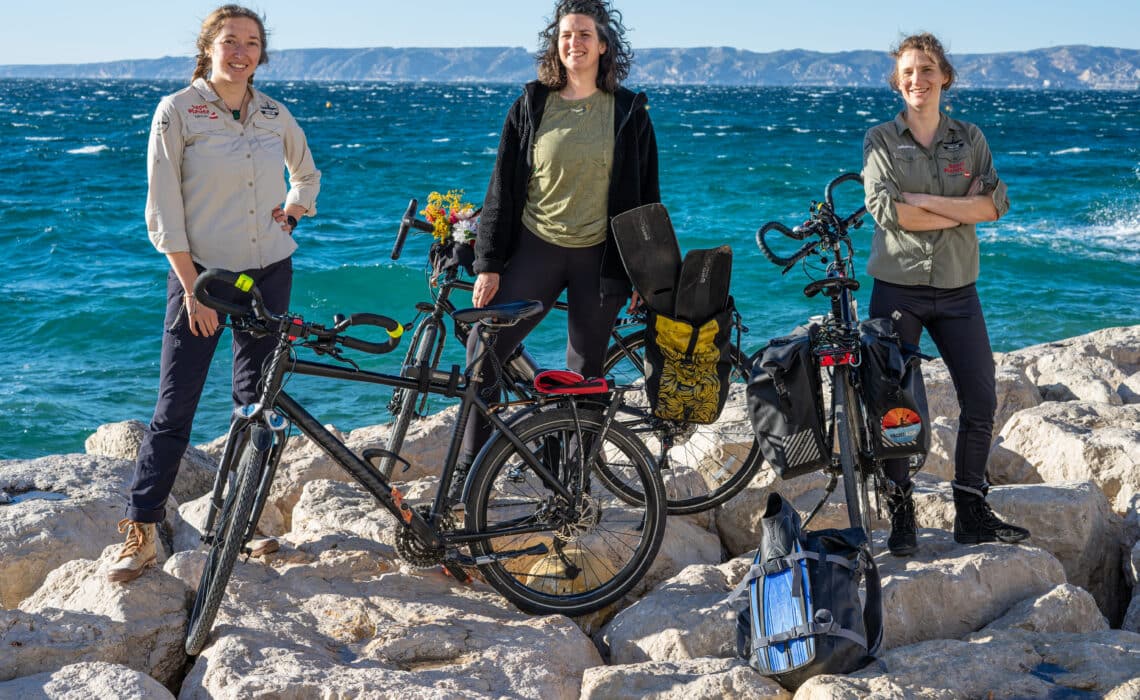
pixel 190 302
pixel 291 220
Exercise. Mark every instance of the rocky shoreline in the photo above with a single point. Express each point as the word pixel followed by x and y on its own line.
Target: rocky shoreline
pixel 336 614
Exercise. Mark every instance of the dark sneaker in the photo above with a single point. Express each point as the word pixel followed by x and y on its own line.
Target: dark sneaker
pixel 903 540
pixel 975 522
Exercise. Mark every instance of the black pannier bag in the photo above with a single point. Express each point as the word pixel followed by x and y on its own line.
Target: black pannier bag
pixel 894 395
pixel 786 406
pixel 805 614
pixel 687 366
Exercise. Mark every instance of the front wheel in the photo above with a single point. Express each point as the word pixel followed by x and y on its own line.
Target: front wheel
pixel 552 554
pixel 703 466
pixel 229 534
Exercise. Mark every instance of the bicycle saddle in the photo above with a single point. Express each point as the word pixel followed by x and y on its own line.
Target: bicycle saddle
pixel 831 286
pixel 500 314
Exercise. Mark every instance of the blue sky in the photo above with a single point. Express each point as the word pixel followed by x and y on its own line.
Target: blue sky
pixel 85 31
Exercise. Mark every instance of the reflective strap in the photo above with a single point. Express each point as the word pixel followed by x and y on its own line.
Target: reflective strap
pixel 808 629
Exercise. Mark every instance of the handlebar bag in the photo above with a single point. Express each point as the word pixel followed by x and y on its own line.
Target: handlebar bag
pixel 785 405
pixel 894 394
pixel 687 366
pixel 814 601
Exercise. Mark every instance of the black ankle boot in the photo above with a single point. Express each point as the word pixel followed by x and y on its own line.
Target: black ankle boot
pixel 904 531
pixel 975 522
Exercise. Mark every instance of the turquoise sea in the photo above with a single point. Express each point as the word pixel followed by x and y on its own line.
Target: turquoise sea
pixel 81 289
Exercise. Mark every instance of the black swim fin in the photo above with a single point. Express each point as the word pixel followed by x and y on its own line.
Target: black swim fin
pixel 703 285
pixel 649 250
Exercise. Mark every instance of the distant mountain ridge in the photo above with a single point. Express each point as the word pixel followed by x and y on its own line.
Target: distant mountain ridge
pixel 1061 67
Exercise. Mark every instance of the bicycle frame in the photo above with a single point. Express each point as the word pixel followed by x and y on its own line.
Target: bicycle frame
pixel 277 409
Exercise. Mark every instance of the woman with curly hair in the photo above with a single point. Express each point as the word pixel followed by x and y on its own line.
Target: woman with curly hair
pixel 577 149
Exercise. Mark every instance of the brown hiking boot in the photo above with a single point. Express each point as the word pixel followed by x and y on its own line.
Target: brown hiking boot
pixel 263 546
pixel 138 551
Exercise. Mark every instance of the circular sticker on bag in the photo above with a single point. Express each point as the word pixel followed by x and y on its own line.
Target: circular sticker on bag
pixel 901 426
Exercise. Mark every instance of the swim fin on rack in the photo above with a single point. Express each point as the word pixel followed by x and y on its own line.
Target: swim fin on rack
pixel 703 284
pixel 649 251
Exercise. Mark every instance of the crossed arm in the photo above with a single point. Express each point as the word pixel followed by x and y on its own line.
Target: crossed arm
pixel 929 212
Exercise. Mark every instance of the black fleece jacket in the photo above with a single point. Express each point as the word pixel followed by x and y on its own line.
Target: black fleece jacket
pixel 633 180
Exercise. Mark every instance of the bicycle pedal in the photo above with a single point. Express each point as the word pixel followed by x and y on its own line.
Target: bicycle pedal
pixel 456 572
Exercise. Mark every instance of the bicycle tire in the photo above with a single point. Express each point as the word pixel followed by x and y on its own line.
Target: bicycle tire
pixel 420 354
pixel 703 449
pixel 843 411
pixel 229 536
pixel 595 551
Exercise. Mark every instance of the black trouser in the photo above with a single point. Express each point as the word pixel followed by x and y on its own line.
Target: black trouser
pixel 185 363
pixel 541 271
pixel 954 319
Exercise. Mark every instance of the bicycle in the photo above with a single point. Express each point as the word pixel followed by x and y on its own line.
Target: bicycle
pixel 838 352
pixel 567 538
pixel 706 464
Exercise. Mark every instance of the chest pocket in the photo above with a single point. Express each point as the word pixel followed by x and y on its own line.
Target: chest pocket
pixel 268 139
pixel 955 167
pixel 206 137
pixel 913 170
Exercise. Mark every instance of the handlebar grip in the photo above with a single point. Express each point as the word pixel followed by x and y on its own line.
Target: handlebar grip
pixel 855 219
pixel 845 177
pixel 402 233
pixel 236 280
pixel 394 328
pixel 767 250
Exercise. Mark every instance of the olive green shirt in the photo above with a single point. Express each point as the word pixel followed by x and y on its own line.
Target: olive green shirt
pixel 568 192
pixel 893 163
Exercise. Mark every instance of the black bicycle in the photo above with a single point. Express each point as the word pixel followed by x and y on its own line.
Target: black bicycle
pixel 838 352
pixel 548 519
pixel 703 466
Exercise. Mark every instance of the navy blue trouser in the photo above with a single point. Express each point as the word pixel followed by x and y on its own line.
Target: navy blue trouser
pixel 540 270
pixel 954 319
pixel 184 365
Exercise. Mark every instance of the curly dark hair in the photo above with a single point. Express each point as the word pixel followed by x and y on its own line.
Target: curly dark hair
pixel 614 64
pixel 213 24
pixel 929 45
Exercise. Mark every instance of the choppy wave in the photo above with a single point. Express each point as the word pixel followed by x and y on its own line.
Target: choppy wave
pixel 1069 151
pixel 89 150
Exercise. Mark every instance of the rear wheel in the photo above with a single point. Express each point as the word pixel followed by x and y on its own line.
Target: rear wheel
pixel 565 555
pixel 702 465
pixel 845 413
pixel 231 530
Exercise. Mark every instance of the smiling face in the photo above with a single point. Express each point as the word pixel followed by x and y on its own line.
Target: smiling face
pixel 235 51
pixel 919 80
pixel 579 47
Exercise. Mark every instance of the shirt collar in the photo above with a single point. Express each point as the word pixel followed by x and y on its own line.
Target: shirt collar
pixel 939 134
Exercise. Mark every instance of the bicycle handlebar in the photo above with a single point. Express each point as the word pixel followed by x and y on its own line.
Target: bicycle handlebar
pixel 256 314
pixel 823 223
pixel 409 221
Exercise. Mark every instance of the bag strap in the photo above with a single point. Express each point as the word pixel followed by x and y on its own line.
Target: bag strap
pixel 808 629
pixel 873 606
pixel 778 564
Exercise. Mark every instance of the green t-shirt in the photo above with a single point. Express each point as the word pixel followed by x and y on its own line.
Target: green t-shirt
pixel 568 192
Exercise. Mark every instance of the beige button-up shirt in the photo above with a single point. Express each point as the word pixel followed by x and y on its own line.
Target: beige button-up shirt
pixel 893 163
pixel 214 181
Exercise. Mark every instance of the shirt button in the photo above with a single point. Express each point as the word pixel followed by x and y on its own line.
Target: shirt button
pixel 250 211
pixel 251 184
pixel 248 155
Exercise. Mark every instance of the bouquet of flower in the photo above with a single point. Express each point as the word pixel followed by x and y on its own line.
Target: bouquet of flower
pixel 454 220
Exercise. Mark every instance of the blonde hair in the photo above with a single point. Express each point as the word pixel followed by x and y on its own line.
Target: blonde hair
pixel 212 26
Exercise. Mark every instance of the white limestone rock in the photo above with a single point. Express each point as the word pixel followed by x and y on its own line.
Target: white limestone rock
pixel 93 679
pixel 691 679
pixel 1072 441
pixel 121 441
